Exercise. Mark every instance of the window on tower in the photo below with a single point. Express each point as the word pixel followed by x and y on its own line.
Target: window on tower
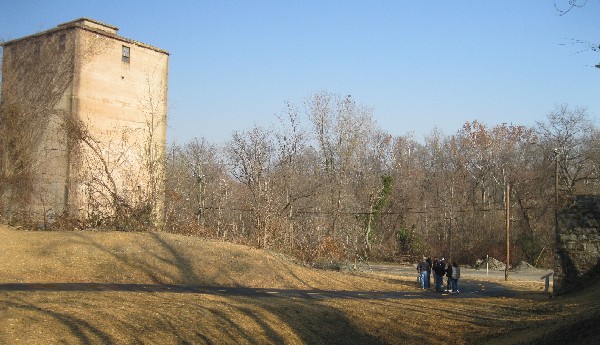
pixel 125 54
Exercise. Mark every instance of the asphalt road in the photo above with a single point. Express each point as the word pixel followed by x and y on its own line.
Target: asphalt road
pixel 471 285
pixel 533 275
pixel 468 289
pixel 472 282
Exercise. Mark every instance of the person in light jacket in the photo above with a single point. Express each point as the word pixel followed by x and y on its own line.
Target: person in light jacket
pixel 454 276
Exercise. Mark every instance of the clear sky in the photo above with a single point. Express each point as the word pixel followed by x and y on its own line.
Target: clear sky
pixel 419 64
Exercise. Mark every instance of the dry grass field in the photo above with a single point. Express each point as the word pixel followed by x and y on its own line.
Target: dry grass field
pixel 155 288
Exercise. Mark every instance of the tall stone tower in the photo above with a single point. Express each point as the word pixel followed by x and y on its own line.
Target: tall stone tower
pixel 82 125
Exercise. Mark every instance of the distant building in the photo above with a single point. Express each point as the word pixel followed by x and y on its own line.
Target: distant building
pixel 82 125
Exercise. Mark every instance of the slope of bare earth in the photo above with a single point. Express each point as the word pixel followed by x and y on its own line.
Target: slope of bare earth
pixel 155 288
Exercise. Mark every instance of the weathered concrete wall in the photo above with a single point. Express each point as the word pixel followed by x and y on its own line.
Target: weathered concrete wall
pixel 36 89
pixel 76 73
pixel 578 244
pixel 123 104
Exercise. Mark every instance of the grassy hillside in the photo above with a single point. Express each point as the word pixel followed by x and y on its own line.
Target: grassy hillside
pixel 157 258
pixel 89 287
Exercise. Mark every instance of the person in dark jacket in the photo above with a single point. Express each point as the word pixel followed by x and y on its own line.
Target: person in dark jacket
pixel 429 267
pixel 454 276
pixel 423 269
pixel 439 269
pixel 448 276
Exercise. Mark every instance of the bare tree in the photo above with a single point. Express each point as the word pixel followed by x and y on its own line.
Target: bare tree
pixel 153 150
pixel 250 160
pixel 562 10
pixel 377 166
pixel 340 127
pixel 404 210
pixel 571 4
pixel 292 181
pixel 197 190
pixel 567 135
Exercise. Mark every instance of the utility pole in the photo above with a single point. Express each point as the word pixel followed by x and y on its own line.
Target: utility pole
pixel 556 192
pixel 507 231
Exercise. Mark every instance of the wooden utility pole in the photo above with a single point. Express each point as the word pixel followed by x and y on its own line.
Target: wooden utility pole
pixel 507 231
pixel 556 193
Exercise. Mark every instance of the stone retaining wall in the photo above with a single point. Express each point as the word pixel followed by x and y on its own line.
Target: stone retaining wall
pixel 577 243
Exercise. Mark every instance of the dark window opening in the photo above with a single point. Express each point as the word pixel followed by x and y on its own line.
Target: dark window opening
pixel 13 55
pixel 62 42
pixel 37 48
pixel 125 54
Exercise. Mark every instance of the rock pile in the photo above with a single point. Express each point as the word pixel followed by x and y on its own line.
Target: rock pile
pixel 497 265
pixel 522 266
pixel 493 264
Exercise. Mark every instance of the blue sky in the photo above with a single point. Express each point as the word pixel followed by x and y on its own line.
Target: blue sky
pixel 419 64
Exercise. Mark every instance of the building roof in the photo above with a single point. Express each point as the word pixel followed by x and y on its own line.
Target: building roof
pixel 90 25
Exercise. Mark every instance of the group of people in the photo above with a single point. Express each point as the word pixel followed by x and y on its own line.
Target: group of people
pixel 440 269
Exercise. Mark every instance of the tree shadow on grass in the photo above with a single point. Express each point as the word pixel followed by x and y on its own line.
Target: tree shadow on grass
pixel 36 316
pixel 165 318
pixel 191 314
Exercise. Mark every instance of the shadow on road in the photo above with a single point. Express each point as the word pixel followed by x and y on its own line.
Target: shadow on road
pixel 472 289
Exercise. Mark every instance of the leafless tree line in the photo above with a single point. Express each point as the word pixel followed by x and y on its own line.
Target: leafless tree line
pixel 326 184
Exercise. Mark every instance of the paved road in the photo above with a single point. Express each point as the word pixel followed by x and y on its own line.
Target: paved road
pixel 533 275
pixel 469 285
pixel 469 289
pixel 473 283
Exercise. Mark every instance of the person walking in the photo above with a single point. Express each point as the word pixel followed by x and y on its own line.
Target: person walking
pixel 455 275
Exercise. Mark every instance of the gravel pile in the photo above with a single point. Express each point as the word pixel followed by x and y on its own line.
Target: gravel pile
pixel 500 266
pixel 523 266
pixel 493 264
